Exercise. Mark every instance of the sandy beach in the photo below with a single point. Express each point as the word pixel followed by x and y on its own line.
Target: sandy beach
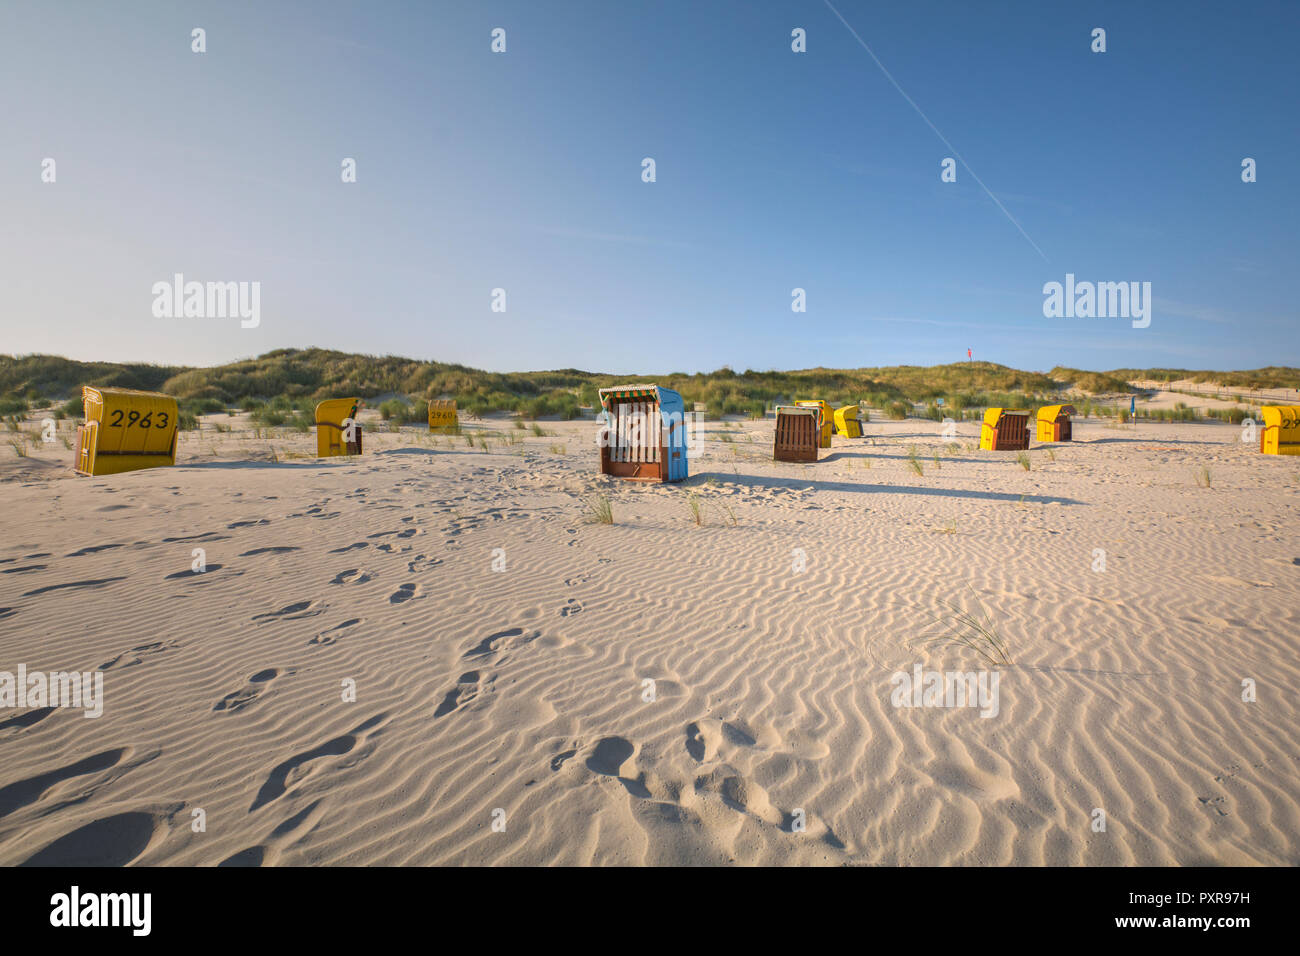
pixel 534 688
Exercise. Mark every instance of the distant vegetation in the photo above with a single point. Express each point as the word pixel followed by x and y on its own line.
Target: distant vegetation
pixel 1275 376
pixel 281 387
pixel 37 376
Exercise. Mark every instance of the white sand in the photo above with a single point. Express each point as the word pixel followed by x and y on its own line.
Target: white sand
pixel 523 690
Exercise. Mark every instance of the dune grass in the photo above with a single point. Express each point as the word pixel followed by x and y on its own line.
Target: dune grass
pixel 979 634
pixel 1022 459
pixel 600 511
pixel 696 508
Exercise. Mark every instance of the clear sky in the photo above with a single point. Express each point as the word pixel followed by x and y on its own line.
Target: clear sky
pixel 775 170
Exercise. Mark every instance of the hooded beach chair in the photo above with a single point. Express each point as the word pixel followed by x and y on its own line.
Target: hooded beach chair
pixel 846 422
pixel 125 430
pixel 332 434
pixel 798 433
pixel 442 415
pixel 1054 422
pixel 825 421
pixel 643 437
pixel 1281 432
pixel 1004 430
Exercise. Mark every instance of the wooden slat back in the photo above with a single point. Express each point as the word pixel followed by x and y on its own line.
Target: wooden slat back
pixel 636 434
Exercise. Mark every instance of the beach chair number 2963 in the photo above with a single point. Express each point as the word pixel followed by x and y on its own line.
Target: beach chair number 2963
pixel 135 418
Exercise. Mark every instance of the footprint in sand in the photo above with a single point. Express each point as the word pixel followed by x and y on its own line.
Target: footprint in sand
pixel 190 573
pixel 92 549
pixel 742 794
pixel 701 742
pixel 109 841
pixel 466 689
pixel 241 698
pixel 706 736
pixel 284 835
pixel 91 584
pixel 299 767
pixel 351 576
pixel 197 537
pixel 404 594
pixel 405 533
pixel 609 755
pixel 138 654
pixel 23 721
pixel 351 547
pixel 954 769
pixel 325 638
pixel 558 760
pixel 25 792
pixel 293 612
pixel 501 641
pixel 1216 804
pixel 571 606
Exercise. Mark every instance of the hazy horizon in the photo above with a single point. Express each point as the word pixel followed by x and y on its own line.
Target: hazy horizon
pixel 653 371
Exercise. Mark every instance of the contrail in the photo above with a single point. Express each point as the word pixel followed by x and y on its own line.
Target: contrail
pixel 943 138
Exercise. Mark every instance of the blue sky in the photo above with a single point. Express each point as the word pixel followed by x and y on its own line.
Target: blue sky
pixel 775 170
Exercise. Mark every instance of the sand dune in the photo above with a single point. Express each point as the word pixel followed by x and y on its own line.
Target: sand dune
pixel 520 695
